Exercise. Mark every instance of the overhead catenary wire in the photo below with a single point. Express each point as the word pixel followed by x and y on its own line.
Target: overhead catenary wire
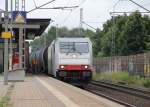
pixel 63 8
pixel 140 5
pixel 126 12
pixel 41 6
pixel 83 1
pixel 34 3
pixel 68 16
pixel 89 25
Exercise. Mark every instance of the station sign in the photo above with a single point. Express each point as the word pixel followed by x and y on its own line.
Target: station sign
pixel 19 16
pixel 6 35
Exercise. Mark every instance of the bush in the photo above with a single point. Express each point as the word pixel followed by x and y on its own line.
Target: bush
pixel 146 83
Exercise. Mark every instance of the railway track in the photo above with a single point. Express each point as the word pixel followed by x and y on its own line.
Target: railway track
pixel 122 94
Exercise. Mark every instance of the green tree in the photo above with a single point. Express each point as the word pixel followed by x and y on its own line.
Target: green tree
pixel 146 21
pixel 128 34
pixel 134 35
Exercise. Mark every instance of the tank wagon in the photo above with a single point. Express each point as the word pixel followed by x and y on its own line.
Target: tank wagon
pixel 66 59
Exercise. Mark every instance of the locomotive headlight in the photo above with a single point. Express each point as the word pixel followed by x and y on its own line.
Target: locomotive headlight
pixel 85 66
pixel 74 56
pixel 62 66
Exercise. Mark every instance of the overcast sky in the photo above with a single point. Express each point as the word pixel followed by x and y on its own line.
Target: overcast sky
pixel 95 12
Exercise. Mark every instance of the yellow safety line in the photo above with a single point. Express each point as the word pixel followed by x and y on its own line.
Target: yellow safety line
pixel 64 99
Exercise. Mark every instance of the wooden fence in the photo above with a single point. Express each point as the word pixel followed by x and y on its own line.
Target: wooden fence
pixel 135 64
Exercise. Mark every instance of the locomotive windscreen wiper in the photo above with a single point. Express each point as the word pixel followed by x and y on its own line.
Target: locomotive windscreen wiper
pixel 71 50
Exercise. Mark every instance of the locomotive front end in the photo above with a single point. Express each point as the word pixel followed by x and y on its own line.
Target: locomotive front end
pixel 75 59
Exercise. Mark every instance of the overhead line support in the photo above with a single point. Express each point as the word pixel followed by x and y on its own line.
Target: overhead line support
pixel 61 7
pixel 41 6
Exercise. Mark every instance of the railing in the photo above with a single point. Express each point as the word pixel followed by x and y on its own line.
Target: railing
pixel 135 64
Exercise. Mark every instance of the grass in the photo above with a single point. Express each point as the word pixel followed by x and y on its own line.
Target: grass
pixel 4 101
pixel 123 77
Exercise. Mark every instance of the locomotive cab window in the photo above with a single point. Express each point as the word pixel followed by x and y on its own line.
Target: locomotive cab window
pixel 74 47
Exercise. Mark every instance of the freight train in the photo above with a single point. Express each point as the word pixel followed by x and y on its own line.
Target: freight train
pixel 65 58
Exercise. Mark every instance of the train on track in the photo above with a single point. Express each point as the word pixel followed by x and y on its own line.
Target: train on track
pixel 68 59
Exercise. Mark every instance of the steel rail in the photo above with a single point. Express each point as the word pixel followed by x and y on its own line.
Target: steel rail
pixel 98 90
pixel 122 88
pixel 111 98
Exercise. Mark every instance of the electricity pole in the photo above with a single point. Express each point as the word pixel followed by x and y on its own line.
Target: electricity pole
pixel 10 45
pixel 81 19
pixel 6 46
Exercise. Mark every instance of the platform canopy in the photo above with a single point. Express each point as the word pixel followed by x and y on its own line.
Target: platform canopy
pixel 31 32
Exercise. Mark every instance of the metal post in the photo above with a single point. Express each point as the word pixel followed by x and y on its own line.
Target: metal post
pixel 81 19
pixel 23 5
pixel 23 49
pixel 6 46
pixel 20 46
pixel 10 47
pixel 16 5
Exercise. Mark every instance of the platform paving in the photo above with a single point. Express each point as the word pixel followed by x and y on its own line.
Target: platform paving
pixel 44 91
pixel 3 88
pixel 31 93
pixel 79 96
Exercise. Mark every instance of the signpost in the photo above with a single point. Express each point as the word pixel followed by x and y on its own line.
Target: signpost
pixel 20 18
pixel 18 21
pixel 6 46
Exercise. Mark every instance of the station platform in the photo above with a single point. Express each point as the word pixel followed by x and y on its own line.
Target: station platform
pixel 44 91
